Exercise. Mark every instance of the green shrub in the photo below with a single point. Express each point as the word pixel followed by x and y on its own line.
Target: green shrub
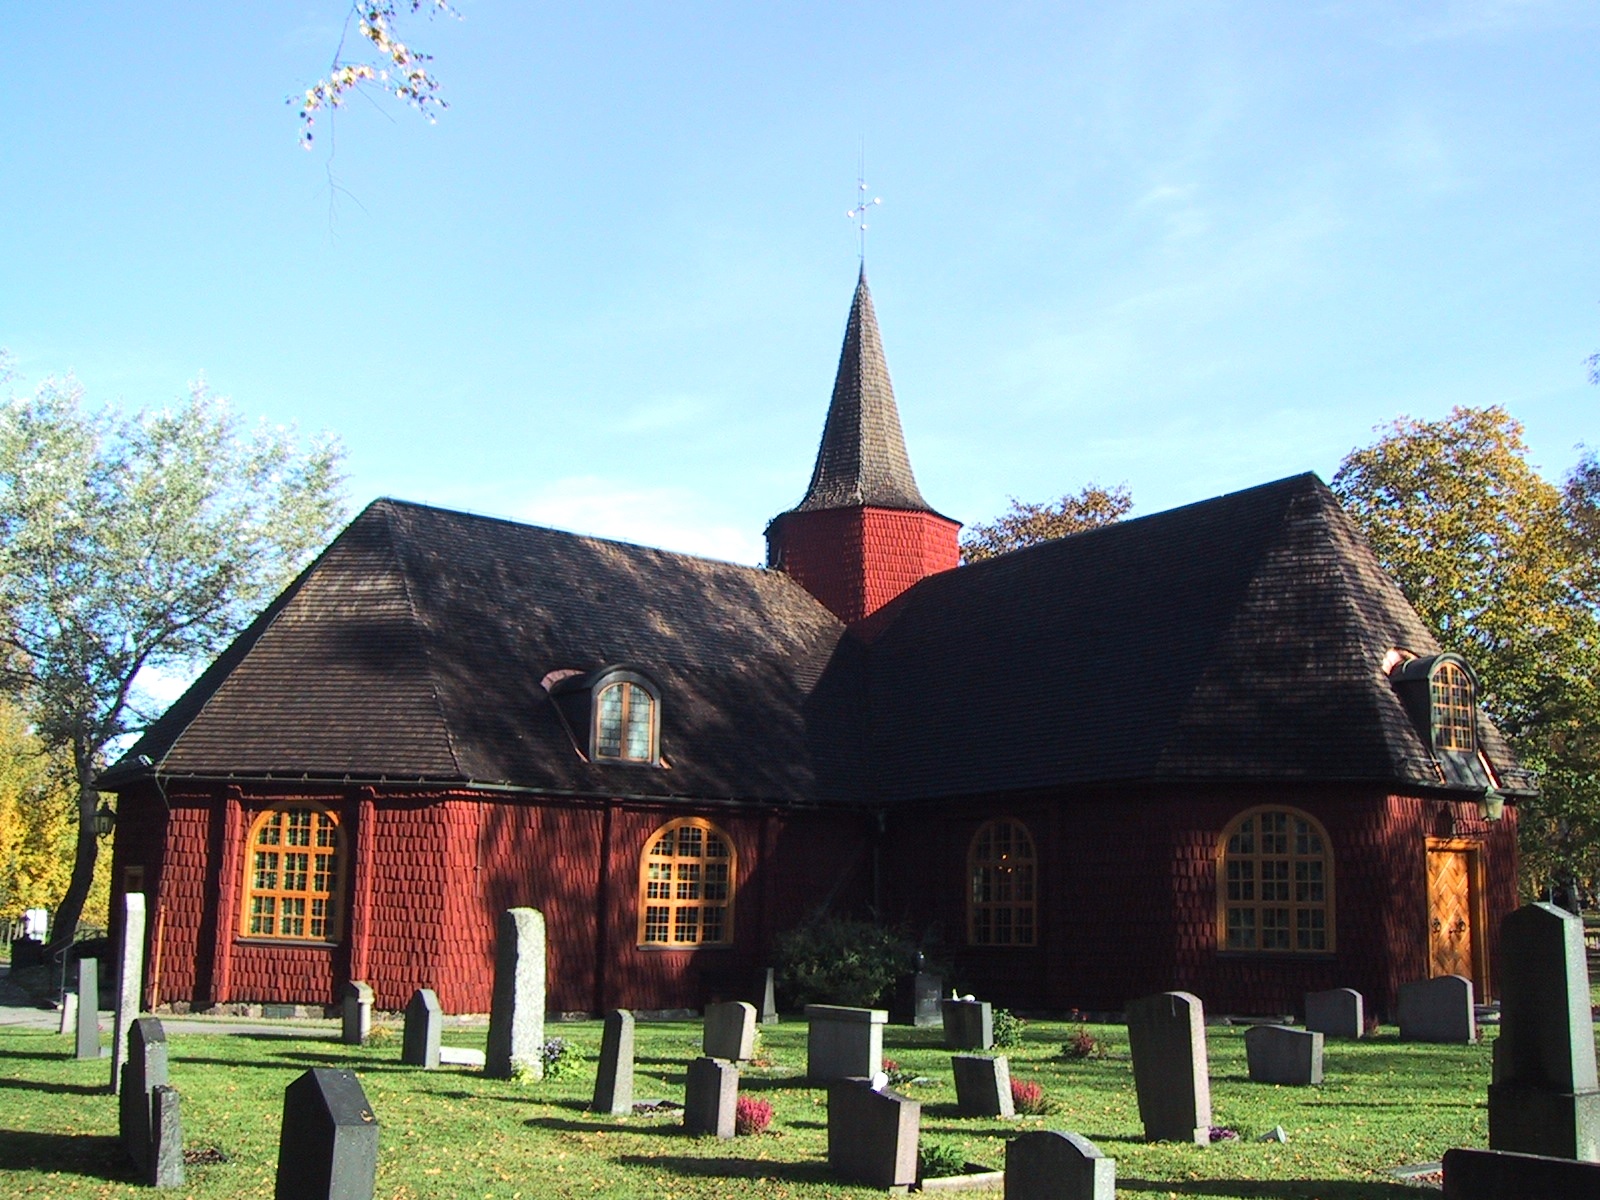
pixel 938 1159
pixel 837 961
pixel 1008 1029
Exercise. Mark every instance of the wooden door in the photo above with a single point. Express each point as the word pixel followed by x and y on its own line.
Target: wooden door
pixel 1452 930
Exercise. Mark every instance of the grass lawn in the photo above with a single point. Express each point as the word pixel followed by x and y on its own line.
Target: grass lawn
pixel 453 1133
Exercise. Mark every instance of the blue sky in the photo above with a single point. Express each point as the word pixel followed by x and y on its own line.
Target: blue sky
pixel 1186 246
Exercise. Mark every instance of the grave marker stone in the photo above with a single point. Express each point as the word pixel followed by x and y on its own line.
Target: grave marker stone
pixel 69 1012
pixel 872 1135
pixel 1050 1164
pixel 1471 1174
pixel 328 1145
pixel 613 1082
pixel 145 1070
pixel 357 1013
pixel 1339 1013
pixel 130 981
pixel 1167 1035
pixel 968 1024
pixel 88 1042
pixel 516 1014
pixel 710 1097
pixel 1438 1010
pixel 983 1085
pixel 164 1165
pixel 843 1043
pixel 729 1031
pixel 419 1045
pixel 1279 1054
pixel 769 996
pixel 1545 1097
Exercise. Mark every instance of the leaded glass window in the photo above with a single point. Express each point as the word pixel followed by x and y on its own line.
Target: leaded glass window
pixel 1001 903
pixel 686 886
pixel 1274 883
pixel 292 875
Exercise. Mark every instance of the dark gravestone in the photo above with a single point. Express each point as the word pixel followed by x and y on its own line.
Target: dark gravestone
pixel 328 1146
pixel 516 1013
pixel 1339 1012
pixel 916 1000
pixel 1438 1010
pixel 710 1097
pixel 1502 1175
pixel 145 1070
pixel 729 1031
pixel 419 1046
pixel 1053 1165
pixel 843 1043
pixel 1167 1035
pixel 872 1136
pixel 1544 1098
pixel 968 1024
pixel 983 1085
pixel 767 996
pixel 88 1008
pixel 613 1082
pixel 1278 1054
pixel 165 1165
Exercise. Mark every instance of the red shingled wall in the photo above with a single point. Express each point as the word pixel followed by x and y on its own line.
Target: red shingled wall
pixel 856 560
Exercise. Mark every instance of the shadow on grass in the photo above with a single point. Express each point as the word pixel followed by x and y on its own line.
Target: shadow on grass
pixel 733 1168
pixel 1274 1189
pixel 668 1125
pixel 69 1153
pixel 58 1089
pixel 42 1055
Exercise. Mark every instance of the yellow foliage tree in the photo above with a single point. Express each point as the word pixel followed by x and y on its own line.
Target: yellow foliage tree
pixel 38 820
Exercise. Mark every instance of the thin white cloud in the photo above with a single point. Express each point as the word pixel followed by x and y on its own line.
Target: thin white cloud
pixel 669 518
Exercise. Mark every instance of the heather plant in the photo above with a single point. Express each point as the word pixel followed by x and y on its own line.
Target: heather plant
pixel 1082 1044
pixel 1028 1098
pixel 751 1116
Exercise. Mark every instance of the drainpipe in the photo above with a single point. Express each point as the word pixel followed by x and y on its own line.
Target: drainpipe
pixel 877 865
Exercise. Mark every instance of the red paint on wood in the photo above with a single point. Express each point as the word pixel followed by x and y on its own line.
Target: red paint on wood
pixel 856 560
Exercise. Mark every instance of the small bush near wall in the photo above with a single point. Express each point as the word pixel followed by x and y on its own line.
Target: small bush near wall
pixel 835 961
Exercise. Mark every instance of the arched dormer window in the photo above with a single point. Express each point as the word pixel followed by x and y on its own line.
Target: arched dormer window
pixel 1275 883
pixel 613 715
pixel 294 860
pixel 1001 885
pixel 686 880
pixel 1441 694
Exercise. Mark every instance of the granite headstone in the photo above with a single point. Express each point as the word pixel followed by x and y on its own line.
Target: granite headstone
pixel 872 1135
pixel 613 1081
pixel 328 1144
pixel 983 1085
pixel 1050 1164
pixel 419 1044
pixel 1167 1035
pixel 516 1014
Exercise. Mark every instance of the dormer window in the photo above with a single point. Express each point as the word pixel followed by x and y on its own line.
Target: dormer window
pixel 1441 695
pixel 613 714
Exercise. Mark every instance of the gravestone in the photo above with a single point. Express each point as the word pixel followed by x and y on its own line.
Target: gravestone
pixel 130 981
pixel 1050 1164
pixel 516 1013
pixel 916 999
pixel 710 1097
pixel 968 1024
pixel 1339 1013
pixel 328 1145
pixel 69 1012
pixel 768 990
pixel 1167 1034
pixel 1438 1010
pixel 729 1031
pixel 872 1135
pixel 419 1045
pixel 88 1008
pixel 164 1165
pixel 1279 1054
pixel 145 1070
pixel 357 1012
pixel 613 1082
pixel 461 1056
pixel 1503 1175
pixel 983 1085
pixel 843 1043
pixel 1545 1097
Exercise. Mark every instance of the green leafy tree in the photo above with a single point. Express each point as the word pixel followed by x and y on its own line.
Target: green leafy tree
pixel 1028 524
pixel 130 543
pixel 1491 555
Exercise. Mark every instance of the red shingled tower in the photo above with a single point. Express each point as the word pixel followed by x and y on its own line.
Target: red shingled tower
pixel 863 534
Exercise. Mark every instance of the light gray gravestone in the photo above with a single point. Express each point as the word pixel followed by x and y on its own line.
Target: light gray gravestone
pixel 983 1085
pixel 1544 1098
pixel 872 1135
pixel 356 1009
pixel 462 1056
pixel 1339 1013
pixel 1504 1175
pixel 130 981
pixel 145 1070
pixel 710 1097
pixel 419 1044
pixel 613 1082
pixel 729 1031
pixel 767 987
pixel 1167 1034
pixel 164 1167
pixel 328 1145
pixel 927 990
pixel 1279 1054
pixel 69 1012
pixel 1438 1010
pixel 516 1013
pixel 843 1043
pixel 88 1045
pixel 968 1024
pixel 1050 1164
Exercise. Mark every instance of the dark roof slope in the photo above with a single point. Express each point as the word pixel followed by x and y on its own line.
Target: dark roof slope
pixel 1238 638
pixel 415 649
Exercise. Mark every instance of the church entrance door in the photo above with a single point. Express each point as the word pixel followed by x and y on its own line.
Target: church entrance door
pixel 1455 922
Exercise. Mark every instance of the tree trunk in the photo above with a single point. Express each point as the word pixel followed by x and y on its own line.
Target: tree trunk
pixel 65 927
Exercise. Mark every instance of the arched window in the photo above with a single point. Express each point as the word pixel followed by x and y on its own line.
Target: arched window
pixel 1450 690
pixel 686 878
pixel 1275 883
pixel 1002 886
pixel 293 863
pixel 625 722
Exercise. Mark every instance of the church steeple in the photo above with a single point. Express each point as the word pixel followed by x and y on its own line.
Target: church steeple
pixel 863 533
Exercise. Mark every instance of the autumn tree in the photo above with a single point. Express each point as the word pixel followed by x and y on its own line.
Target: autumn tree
pixel 131 543
pixel 383 61
pixel 1028 524
pixel 36 819
pixel 1491 555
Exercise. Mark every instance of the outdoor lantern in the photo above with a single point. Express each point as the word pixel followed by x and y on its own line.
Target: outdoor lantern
pixel 1492 806
pixel 104 821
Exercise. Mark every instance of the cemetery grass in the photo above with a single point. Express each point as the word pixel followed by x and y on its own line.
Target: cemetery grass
pixel 454 1133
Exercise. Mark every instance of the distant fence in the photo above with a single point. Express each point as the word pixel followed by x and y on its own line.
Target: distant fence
pixel 12 928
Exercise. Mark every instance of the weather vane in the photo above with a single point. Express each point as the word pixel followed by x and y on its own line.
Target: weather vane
pixel 858 214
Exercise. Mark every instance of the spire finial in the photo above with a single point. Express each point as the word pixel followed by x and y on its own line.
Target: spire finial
pixel 858 214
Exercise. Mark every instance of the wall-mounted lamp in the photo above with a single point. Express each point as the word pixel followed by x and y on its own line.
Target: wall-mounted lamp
pixel 104 821
pixel 1492 805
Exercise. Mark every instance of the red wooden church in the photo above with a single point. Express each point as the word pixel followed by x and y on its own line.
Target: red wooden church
pixel 1210 749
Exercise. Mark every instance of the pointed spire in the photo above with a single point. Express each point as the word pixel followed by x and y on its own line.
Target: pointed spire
pixel 862 460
